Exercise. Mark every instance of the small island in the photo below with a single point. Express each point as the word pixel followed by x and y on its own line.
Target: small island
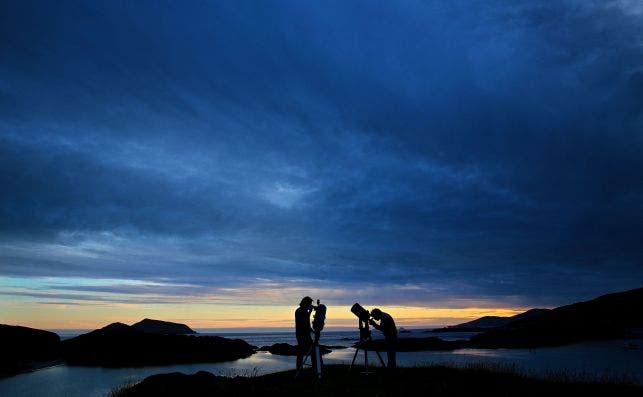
pixel 147 342
pixel 162 327
pixel 118 344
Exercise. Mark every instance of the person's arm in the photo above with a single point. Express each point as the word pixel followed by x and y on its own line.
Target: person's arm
pixel 375 325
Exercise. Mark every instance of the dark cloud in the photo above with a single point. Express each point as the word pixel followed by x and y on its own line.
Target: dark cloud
pixel 480 150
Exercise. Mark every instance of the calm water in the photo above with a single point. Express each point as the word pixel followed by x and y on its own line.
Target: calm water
pixel 608 358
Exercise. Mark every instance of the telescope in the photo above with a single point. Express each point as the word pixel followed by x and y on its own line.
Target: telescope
pixel 363 315
pixel 364 335
pixel 360 312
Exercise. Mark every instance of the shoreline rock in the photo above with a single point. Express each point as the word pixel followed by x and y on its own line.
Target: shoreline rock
pixel 417 344
pixel 286 349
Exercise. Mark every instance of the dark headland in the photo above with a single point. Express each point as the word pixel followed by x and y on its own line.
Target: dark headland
pixel 488 322
pixel 339 381
pixel 611 316
pixel 121 345
pixel 24 349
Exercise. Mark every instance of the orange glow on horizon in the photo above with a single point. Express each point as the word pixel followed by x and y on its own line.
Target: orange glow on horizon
pixel 91 316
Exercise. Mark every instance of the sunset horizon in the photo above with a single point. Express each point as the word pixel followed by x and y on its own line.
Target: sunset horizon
pixel 211 197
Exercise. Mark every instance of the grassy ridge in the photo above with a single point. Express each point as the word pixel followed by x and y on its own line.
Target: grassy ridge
pixel 338 381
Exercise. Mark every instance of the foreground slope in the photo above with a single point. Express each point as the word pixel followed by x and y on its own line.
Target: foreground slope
pixel 338 381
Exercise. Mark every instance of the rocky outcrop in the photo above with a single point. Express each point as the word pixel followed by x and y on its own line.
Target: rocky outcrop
pixel 286 349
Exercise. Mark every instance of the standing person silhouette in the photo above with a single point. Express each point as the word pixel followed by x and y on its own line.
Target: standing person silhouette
pixel 303 330
pixel 388 328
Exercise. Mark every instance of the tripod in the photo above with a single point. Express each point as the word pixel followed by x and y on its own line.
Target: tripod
pixel 364 338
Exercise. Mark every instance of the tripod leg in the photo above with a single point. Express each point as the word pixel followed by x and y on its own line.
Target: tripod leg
pixel 318 361
pixel 354 357
pixel 303 362
pixel 366 359
pixel 381 360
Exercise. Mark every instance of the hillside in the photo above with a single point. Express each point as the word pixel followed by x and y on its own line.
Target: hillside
pixel 487 322
pixel 609 316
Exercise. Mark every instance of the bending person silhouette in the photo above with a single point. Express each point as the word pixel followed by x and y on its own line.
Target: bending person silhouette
pixel 388 328
pixel 303 330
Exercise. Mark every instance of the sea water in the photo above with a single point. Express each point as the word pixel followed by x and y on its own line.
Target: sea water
pixel 614 359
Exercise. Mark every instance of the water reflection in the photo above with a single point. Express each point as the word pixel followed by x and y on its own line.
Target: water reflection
pixel 607 358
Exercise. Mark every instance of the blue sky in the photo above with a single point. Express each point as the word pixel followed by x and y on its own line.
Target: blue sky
pixel 425 154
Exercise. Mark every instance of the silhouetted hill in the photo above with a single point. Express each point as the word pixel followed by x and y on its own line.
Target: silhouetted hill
pixel 162 327
pixel 608 316
pixel 486 322
pixel 121 345
pixel 115 327
pixel 338 381
pixel 22 347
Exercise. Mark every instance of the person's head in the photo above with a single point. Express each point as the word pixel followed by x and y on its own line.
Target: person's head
pixel 306 301
pixel 376 314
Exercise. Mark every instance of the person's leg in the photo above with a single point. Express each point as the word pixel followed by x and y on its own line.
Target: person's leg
pixel 391 350
pixel 305 348
pixel 391 356
pixel 300 359
pixel 300 353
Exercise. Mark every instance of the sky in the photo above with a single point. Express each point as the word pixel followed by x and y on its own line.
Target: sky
pixel 212 162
